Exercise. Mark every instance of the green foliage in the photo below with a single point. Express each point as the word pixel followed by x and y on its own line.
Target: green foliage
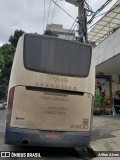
pixel 6 54
pixel 97 101
pixel 7 51
pixel 6 58
pixel 50 33
pixel 14 38
pixel 102 111
pixel 2 61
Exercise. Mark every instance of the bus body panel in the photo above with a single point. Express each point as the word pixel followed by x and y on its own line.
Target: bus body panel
pixel 37 103
pixel 50 110
pixel 18 136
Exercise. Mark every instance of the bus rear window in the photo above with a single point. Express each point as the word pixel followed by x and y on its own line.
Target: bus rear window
pixel 55 56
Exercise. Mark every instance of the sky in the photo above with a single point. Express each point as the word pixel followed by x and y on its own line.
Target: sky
pixel 28 15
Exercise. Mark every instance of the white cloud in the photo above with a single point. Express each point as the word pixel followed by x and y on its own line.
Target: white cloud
pixel 28 15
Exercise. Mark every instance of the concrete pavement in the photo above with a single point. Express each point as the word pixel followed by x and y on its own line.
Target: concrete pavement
pixel 106 133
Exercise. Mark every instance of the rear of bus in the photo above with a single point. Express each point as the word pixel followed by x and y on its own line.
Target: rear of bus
pixel 50 95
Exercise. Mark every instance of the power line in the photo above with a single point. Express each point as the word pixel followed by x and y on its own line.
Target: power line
pixel 70 29
pixel 53 12
pixel 103 14
pixel 108 11
pixel 100 9
pixel 88 9
pixel 73 29
pixel 88 6
pixel 63 9
pixel 87 28
pixel 49 11
pixel 44 16
pixel 92 25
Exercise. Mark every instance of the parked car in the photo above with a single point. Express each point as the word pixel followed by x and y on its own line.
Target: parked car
pixel 2 105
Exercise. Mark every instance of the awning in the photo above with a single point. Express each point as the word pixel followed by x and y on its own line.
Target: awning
pixel 106 25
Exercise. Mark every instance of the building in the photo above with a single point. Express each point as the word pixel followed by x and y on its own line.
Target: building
pixel 61 32
pixel 106 37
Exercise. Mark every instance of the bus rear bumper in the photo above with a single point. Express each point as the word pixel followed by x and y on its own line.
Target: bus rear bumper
pixel 29 137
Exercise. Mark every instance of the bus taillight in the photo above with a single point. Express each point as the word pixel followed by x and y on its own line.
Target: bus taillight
pixel 92 105
pixel 10 98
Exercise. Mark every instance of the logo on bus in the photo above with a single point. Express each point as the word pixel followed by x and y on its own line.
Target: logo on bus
pixel 56 82
pixel 58 78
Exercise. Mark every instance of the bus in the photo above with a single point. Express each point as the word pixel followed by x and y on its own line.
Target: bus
pixel 50 94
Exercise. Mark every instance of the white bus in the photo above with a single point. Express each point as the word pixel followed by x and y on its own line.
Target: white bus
pixel 50 96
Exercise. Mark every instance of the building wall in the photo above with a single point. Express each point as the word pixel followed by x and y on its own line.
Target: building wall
pixel 115 83
pixel 61 32
pixel 108 48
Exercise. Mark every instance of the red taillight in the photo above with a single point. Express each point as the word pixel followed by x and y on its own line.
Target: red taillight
pixel 92 105
pixel 10 98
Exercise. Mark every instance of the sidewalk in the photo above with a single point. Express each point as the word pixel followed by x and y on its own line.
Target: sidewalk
pixel 106 135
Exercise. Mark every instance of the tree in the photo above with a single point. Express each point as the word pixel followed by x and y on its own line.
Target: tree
pixel 6 58
pixel 13 39
pixel 6 54
pixel 50 33
pixel 2 64
pixel 2 61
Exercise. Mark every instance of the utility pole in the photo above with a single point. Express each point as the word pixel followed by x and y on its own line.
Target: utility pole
pixel 82 19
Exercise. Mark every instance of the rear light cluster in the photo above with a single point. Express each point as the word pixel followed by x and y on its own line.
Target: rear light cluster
pixel 92 104
pixel 10 98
